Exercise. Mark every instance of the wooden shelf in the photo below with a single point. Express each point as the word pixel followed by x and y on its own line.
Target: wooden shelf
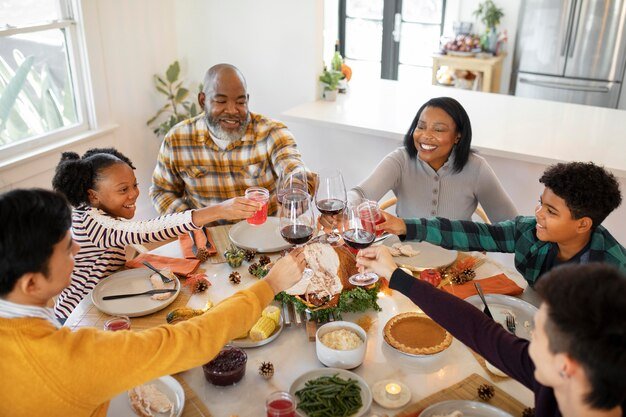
pixel 491 68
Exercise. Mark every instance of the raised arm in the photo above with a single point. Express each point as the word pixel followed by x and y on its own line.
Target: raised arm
pixel 386 176
pixel 463 235
pixel 167 190
pixel 492 196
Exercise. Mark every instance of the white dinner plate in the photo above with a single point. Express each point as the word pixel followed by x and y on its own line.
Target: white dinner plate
pixel 366 394
pixel 246 342
pixel 120 405
pixel 263 238
pixel 129 281
pixel 499 305
pixel 468 408
pixel 429 256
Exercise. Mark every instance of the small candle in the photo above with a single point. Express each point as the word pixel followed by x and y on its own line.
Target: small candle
pixel 393 391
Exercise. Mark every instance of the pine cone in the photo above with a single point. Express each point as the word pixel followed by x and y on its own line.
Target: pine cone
pixel 235 277
pixel 202 255
pixel 464 276
pixel 253 267
pixel 201 285
pixel 486 392
pixel 249 255
pixel 528 412
pixel 264 260
pixel 266 370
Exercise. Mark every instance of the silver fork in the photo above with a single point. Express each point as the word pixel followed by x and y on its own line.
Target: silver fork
pixel 163 277
pixel 510 323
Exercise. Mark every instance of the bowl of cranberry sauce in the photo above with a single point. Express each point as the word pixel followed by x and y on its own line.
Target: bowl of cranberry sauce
pixel 227 368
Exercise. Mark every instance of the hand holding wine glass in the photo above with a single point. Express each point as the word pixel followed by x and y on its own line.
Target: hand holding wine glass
pixel 359 233
pixel 289 182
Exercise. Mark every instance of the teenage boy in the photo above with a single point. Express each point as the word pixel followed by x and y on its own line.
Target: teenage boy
pixel 565 229
pixel 576 360
pixel 50 370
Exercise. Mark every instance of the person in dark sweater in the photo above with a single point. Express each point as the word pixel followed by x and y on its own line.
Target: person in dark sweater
pixel 566 227
pixel 576 361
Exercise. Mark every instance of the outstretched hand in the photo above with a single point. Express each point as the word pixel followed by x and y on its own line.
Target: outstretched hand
pixel 376 259
pixel 392 224
pixel 287 271
pixel 238 208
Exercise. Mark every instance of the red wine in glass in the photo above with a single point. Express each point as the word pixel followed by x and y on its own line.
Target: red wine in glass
pixel 358 239
pixel 297 234
pixel 331 206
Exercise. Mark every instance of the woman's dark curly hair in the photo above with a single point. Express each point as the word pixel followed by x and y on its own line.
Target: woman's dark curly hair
pixel 74 175
pixel 454 109
pixel 588 190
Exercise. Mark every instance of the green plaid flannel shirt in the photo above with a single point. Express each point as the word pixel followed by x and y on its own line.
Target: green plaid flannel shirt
pixel 516 236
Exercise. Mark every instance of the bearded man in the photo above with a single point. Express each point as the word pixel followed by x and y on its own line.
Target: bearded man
pixel 212 158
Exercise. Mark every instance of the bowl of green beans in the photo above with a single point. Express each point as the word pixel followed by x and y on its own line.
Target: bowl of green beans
pixel 331 392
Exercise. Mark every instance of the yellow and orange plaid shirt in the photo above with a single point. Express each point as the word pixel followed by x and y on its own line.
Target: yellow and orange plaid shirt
pixel 193 172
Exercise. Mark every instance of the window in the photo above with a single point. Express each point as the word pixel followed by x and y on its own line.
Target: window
pixel 392 39
pixel 41 94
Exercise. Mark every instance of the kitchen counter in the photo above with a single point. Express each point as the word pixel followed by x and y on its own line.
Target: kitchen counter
pixel 530 130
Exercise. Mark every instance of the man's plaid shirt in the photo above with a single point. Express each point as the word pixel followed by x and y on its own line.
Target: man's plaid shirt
pixel 512 236
pixel 193 172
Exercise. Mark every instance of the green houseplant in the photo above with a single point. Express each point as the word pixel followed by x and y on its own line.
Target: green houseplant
pixel 490 15
pixel 177 108
pixel 330 80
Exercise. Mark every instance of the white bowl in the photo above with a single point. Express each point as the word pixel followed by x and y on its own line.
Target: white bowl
pixel 344 359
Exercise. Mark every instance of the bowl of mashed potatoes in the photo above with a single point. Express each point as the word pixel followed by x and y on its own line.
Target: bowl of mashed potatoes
pixel 341 344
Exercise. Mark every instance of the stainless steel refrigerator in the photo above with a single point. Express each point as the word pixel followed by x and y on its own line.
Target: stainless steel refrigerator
pixel 571 50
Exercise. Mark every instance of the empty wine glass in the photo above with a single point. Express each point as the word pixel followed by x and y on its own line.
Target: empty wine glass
pixel 330 199
pixel 359 234
pixel 297 222
pixel 294 181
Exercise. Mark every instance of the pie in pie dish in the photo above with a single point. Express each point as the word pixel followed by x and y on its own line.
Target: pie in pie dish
pixel 416 334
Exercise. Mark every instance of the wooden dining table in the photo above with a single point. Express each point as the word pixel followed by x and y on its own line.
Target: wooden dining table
pixel 292 354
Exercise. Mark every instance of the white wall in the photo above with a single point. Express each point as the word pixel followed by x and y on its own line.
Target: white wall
pixel 277 44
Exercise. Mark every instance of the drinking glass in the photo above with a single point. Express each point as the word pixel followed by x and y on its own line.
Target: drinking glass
pixel 294 181
pixel 358 234
pixel 370 213
pixel 297 222
pixel 330 199
pixel 280 404
pixel 262 195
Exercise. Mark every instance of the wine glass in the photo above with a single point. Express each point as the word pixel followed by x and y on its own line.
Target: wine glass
pixel 294 181
pixel 359 233
pixel 330 199
pixel 297 222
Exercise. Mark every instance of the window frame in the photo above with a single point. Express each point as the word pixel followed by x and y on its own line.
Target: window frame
pixel 390 55
pixel 76 56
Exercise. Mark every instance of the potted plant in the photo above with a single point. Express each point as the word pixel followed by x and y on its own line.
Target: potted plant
pixel 176 108
pixel 490 15
pixel 330 81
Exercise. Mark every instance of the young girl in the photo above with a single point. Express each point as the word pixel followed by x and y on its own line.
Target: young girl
pixel 103 190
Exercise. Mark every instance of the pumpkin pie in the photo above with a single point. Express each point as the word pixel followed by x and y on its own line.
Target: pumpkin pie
pixel 416 334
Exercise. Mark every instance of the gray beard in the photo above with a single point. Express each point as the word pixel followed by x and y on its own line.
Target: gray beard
pixel 218 133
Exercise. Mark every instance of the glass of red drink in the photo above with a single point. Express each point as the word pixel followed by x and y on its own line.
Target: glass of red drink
pixel 371 215
pixel 262 195
pixel 280 404
pixel 117 323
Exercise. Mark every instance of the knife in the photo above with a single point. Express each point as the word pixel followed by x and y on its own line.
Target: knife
pixel 150 292
pixel 194 247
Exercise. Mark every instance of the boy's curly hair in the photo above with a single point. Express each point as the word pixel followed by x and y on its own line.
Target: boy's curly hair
pixel 588 190
pixel 74 175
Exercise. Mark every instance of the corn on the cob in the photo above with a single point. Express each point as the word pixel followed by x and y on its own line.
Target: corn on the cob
pixel 272 312
pixel 262 329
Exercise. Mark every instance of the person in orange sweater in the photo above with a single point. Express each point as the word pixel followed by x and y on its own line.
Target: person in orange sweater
pixel 51 370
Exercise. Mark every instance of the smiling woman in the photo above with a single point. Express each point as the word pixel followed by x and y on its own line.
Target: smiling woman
pixel 436 173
